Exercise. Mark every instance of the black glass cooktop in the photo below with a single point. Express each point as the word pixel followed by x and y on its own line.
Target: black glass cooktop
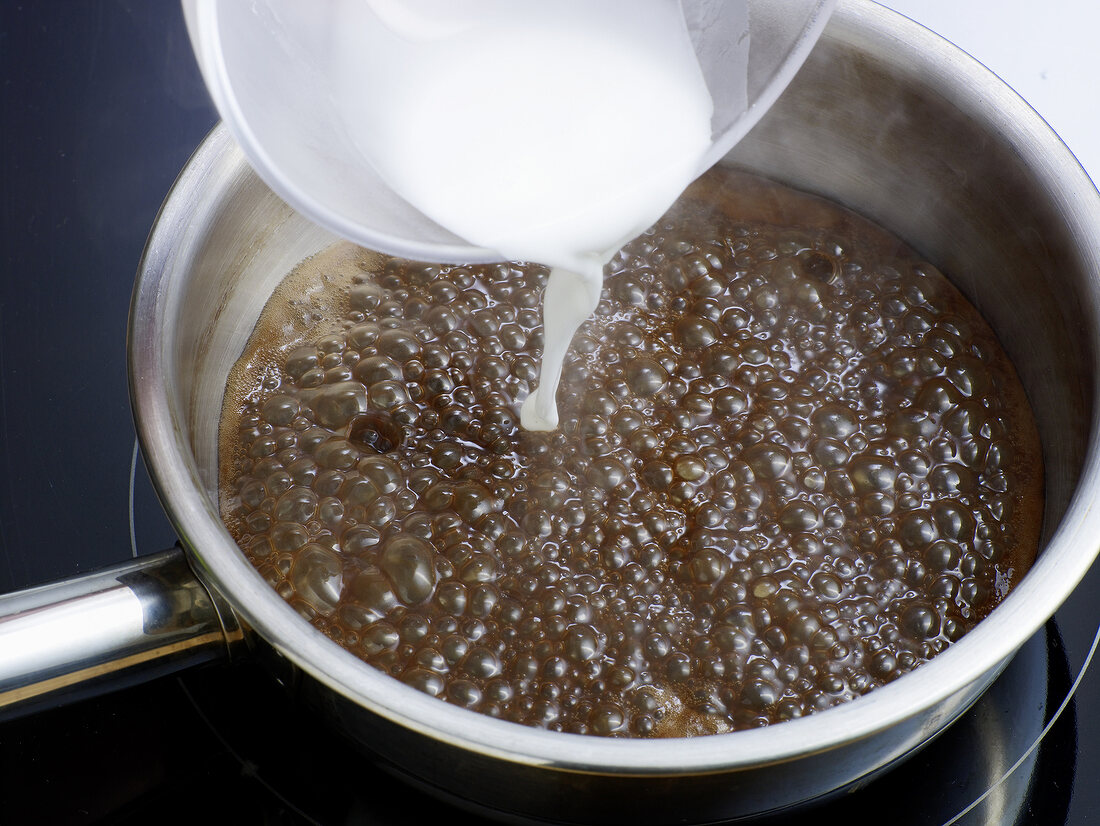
pixel 102 105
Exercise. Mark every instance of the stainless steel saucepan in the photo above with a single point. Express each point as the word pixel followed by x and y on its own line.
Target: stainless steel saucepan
pixel 885 118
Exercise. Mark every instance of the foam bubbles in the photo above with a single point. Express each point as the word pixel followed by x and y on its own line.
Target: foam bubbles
pixel 782 476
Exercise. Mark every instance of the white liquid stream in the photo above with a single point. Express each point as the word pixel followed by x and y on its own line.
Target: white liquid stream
pixel 551 132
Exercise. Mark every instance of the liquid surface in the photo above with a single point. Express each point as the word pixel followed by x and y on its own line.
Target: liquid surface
pixel 533 99
pixel 793 465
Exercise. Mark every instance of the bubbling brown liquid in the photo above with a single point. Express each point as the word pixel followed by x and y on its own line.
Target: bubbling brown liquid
pixel 793 465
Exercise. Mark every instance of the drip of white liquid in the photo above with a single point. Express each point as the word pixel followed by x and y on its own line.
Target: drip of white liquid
pixel 552 132
pixel 569 300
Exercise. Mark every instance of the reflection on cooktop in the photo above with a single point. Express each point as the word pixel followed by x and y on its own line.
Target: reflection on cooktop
pixel 238 743
pixel 105 105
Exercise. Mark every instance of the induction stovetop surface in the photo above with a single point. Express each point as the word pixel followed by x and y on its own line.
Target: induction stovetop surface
pixel 102 106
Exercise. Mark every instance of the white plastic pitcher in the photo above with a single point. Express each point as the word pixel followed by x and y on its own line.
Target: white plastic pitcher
pixel 268 66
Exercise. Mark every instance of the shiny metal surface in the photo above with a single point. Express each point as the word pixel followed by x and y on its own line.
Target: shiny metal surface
pixel 144 617
pixel 885 118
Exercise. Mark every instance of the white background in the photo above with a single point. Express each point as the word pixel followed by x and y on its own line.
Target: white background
pixel 1047 50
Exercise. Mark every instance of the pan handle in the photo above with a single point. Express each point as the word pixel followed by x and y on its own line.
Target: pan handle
pixel 103 631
